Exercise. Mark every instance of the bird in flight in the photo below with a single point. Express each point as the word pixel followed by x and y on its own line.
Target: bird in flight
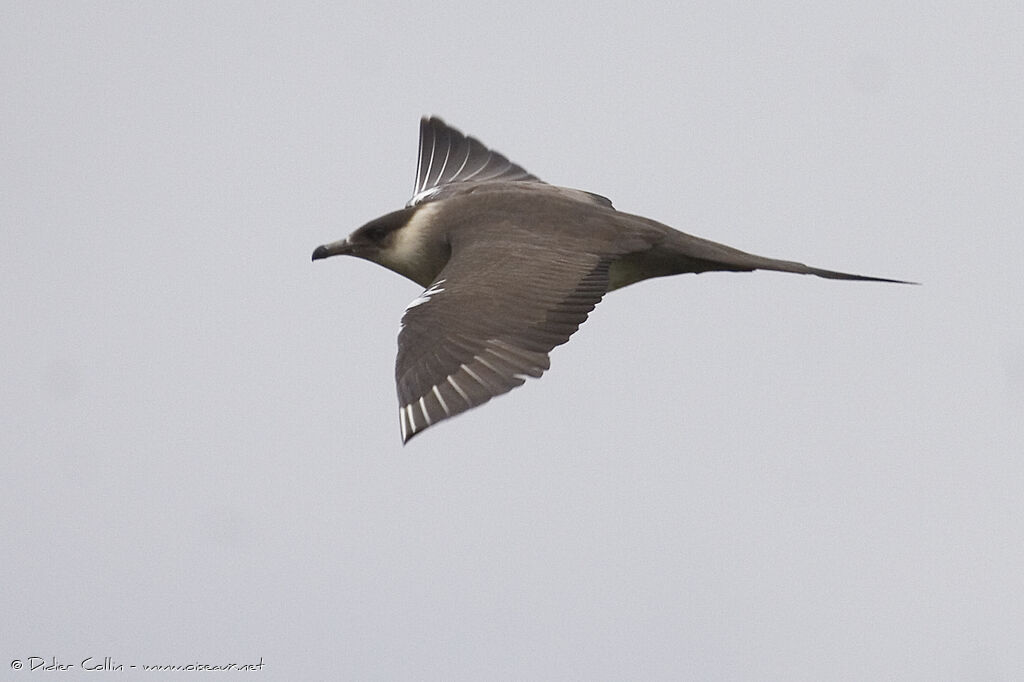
pixel 511 266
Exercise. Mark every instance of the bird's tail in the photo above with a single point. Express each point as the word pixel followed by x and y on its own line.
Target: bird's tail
pixel 694 254
pixel 800 268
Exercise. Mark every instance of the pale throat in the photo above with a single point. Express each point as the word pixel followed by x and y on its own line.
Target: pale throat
pixel 415 251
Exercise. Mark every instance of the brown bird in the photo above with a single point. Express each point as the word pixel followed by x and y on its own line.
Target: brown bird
pixel 511 267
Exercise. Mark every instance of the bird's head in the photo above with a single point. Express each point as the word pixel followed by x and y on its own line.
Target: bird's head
pixel 402 241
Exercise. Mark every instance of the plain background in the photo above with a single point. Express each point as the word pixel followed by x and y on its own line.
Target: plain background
pixel 726 476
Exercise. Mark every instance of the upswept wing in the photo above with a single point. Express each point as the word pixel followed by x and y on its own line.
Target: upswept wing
pixel 447 158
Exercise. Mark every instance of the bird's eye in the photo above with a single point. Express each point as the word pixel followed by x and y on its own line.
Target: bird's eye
pixel 375 234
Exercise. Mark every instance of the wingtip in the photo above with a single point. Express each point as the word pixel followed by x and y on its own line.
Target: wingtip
pixel 407 427
pixel 406 437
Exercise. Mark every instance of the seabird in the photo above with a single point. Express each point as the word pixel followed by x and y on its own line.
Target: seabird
pixel 511 267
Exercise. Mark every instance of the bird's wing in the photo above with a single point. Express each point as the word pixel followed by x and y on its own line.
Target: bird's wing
pixel 485 324
pixel 447 157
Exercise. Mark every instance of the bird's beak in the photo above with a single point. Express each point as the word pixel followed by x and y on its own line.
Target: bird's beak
pixel 338 248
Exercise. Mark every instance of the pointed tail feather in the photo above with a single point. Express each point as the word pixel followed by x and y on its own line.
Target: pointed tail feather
pixel 800 268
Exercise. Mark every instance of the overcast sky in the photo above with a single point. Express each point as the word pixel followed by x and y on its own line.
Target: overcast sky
pixel 727 476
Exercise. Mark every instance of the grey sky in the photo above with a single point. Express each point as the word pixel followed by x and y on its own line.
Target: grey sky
pixel 727 476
